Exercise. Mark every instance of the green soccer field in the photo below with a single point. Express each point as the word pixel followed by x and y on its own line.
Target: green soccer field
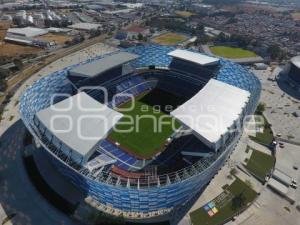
pixel 146 136
pixel 231 53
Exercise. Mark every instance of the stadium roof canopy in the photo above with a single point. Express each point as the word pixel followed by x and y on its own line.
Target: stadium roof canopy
pixel 194 57
pixel 213 111
pixel 79 122
pixel 102 65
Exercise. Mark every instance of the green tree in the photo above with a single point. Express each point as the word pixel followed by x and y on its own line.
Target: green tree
pixel 260 108
pixel 140 37
pixel 274 51
pixel 18 63
pixel 233 172
pixel 238 201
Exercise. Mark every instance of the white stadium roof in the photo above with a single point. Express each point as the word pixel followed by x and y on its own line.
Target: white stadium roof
pixel 27 31
pixel 102 65
pixel 194 57
pixel 80 122
pixel 212 111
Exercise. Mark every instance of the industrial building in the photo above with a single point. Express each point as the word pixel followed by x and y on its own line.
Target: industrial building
pixel 27 31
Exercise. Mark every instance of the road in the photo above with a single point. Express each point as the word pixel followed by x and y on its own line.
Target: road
pixel 28 71
pixel 17 193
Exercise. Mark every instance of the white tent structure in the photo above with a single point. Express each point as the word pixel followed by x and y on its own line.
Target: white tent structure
pixel 213 111
pixel 102 65
pixel 194 57
pixel 77 124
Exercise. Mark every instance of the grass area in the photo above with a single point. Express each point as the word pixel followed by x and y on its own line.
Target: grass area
pixel 260 164
pixel 266 137
pixel 147 135
pixel 231 53
pixel 231 201
pixel 185 14
pixel 169 39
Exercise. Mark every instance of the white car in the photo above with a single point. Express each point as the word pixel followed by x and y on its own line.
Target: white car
pixel 294 186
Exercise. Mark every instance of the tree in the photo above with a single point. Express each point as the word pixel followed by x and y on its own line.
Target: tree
pixel 3 73
pixel 18 63
pixel 274 51
pixel 140 37
pixel 3 84
pixel 260 108
pixel 222 37
pixel 238 201
pixel 233 172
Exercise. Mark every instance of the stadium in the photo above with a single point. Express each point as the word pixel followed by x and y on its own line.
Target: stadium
pixel 293 71
pixel 145 175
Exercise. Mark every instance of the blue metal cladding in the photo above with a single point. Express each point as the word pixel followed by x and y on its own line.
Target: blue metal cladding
pixel 140 200
pixel 39 95
pixel 151 55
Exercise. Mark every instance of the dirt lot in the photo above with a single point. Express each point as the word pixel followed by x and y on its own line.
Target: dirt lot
pixel 169 39
pixel 8 49
pixel 58 38
pixel 185 14
pixel 3 28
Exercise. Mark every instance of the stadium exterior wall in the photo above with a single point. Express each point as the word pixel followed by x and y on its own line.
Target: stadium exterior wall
pixel 172 196
pixel 293 72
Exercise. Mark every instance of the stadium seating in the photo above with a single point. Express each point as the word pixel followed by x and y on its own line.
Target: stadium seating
pixel 124 160
pixel 102 78
pixel 133 87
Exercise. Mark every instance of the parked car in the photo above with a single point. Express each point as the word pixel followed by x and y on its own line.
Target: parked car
pixel 294 186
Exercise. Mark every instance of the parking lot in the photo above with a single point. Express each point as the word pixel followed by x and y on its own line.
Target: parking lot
pixel 288 158
pixel 279 106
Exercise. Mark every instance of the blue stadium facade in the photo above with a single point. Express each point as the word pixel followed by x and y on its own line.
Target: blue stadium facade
pixel 294 72
pixel 168 193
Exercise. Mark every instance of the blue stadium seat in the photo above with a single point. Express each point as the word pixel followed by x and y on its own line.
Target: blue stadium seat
pixel 124 160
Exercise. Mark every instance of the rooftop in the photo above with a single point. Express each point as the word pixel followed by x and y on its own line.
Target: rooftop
pixel 194 57
pixel 27 31
pixel 80 122
pixel 102 65
pixel 212 111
